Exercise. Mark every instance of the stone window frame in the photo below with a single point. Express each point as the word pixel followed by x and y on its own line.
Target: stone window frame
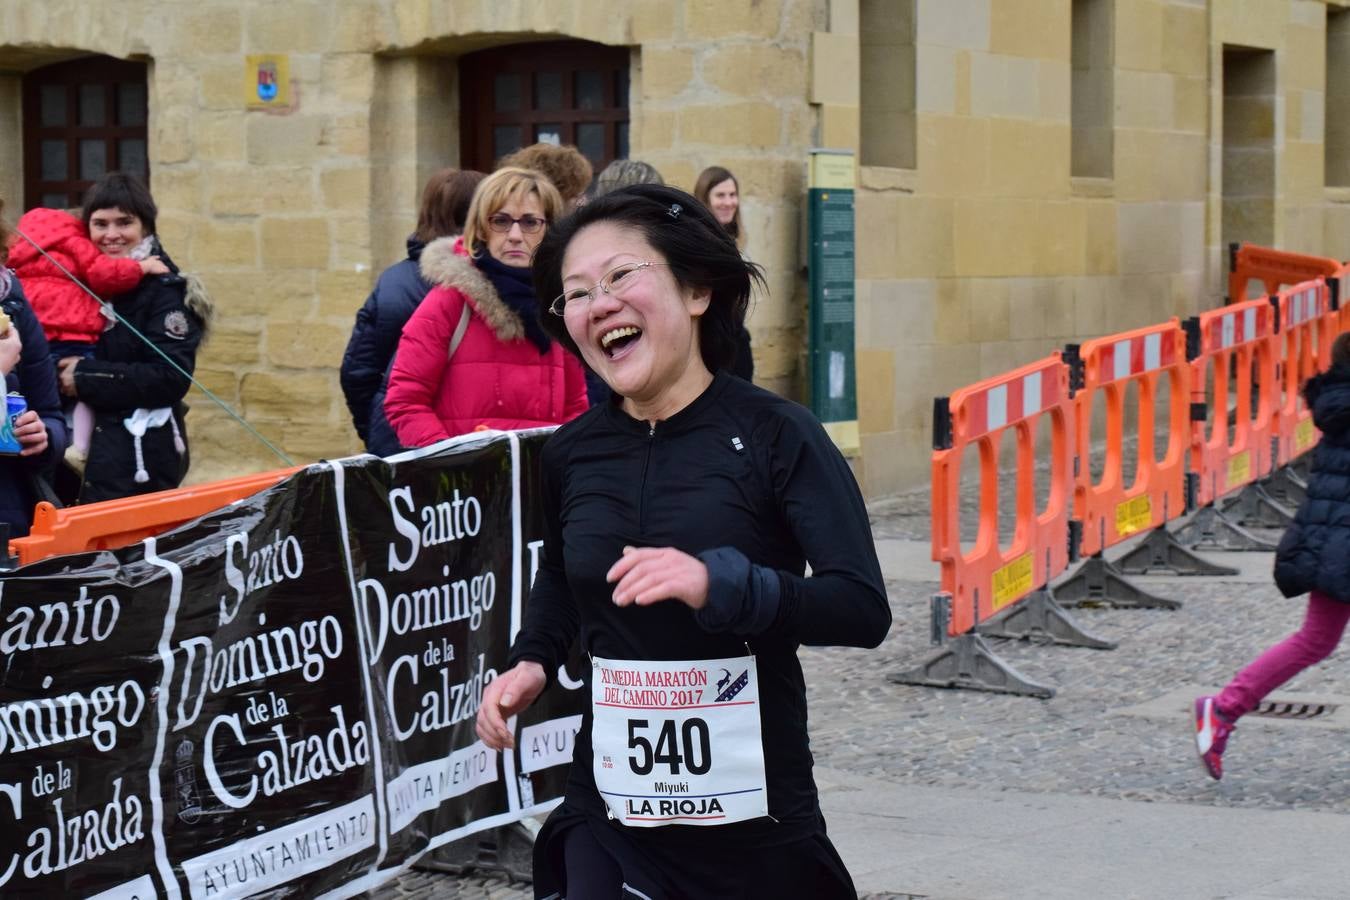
pixel 1336 100
pixel 479 117
pixel 888 88
pixel 1092 96
pixel 72 75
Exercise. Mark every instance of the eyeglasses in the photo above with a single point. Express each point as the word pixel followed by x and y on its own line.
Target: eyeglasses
pixel 501 223
pixel 615 282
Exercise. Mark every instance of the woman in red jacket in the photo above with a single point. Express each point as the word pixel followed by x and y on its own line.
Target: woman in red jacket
pixel 473 355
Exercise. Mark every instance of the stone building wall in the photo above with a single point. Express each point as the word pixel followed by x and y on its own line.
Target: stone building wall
pixel 990 251
pixel 288 217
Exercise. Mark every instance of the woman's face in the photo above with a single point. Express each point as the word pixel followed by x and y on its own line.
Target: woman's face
pixel 642 336
pixel 115 232
pixel 723 200
pixel 515 246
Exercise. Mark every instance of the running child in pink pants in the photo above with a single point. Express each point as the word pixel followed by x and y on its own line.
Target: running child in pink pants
pixel 1313 558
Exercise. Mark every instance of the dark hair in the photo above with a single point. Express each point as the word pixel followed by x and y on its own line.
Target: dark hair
pixel 698 251
pixel 445 203
pixel 1340 349
pixel 566 166
pixel 710 178
pixel 118 190
pixel 1340 359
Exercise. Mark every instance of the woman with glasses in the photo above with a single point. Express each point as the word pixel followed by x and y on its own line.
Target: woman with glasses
pixel 474 356
pixel 679 523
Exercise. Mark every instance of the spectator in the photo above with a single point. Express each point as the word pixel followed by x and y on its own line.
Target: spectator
pixel 398 291
pixel 140 438
pixel 28 371
pixel 474 354
pixel 718 190
pixel 565 166
pixel 623 172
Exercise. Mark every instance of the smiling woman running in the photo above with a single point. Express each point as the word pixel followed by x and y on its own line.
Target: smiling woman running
pixel 680 519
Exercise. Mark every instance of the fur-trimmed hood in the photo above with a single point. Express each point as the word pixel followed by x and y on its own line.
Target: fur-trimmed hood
pixel 200 302
pixel 442 266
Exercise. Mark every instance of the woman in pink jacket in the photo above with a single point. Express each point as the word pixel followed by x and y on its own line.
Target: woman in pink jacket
pixel 473 355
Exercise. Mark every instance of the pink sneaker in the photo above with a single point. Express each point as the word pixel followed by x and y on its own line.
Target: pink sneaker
pixel 1212 729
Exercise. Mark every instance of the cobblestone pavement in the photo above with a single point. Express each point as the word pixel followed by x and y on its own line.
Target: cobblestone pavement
pixel 424 885
pixel 1079 742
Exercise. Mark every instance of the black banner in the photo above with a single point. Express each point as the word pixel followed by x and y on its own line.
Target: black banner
pixel 544 732
pixel 78 727
pixel 279 697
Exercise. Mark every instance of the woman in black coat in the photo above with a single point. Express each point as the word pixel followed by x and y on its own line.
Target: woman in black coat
pixel 398 292
pixel 140 371
pixel 1313 558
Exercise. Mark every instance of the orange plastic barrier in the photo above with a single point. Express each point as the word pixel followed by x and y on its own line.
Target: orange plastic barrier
pixel 117 523
pixel 1274 269
pixel 1236 343
pixel 1110 510
pixel 990 578
pixel 1307 329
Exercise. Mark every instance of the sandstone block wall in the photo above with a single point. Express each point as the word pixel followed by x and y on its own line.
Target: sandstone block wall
pixel 288 216
pixel 989 253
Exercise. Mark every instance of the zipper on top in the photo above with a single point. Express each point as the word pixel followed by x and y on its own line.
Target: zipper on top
pixel 642 487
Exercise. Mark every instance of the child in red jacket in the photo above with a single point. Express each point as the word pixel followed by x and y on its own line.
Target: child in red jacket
pixel 71 319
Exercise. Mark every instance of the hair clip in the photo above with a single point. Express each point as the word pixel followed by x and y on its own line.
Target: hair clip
pixel 675 210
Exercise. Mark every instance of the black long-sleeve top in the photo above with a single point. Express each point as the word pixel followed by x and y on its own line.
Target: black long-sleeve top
pixel 751 484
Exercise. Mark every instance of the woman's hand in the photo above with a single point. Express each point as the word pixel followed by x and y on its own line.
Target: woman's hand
pixel 506 695
pixel 649 575
pixel 31 432
pixel 65 375
pixel 153 265
pixel 11 346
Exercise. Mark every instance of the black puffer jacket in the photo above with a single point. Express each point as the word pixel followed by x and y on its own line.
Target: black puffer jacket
pixel 365 364
pixel 126 373
pixel 1314 553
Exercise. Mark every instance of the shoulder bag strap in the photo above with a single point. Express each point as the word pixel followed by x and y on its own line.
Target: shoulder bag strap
pixel 463 326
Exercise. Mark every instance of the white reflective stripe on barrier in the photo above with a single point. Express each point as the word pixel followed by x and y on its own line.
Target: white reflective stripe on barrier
pixel 1120 357
pixel 1303 306
pixel 1018 398
pixel 1031 394
pixel 1152 351
pixel 996 410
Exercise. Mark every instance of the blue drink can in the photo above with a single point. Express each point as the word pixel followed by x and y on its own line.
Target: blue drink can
pixel 15 406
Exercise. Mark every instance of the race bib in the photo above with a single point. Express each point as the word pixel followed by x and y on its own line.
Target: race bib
pixel 678 743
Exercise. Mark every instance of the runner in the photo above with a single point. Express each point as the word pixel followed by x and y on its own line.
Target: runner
pixel 681 517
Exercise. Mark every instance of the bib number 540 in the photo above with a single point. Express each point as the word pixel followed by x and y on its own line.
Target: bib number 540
pixel 688 746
